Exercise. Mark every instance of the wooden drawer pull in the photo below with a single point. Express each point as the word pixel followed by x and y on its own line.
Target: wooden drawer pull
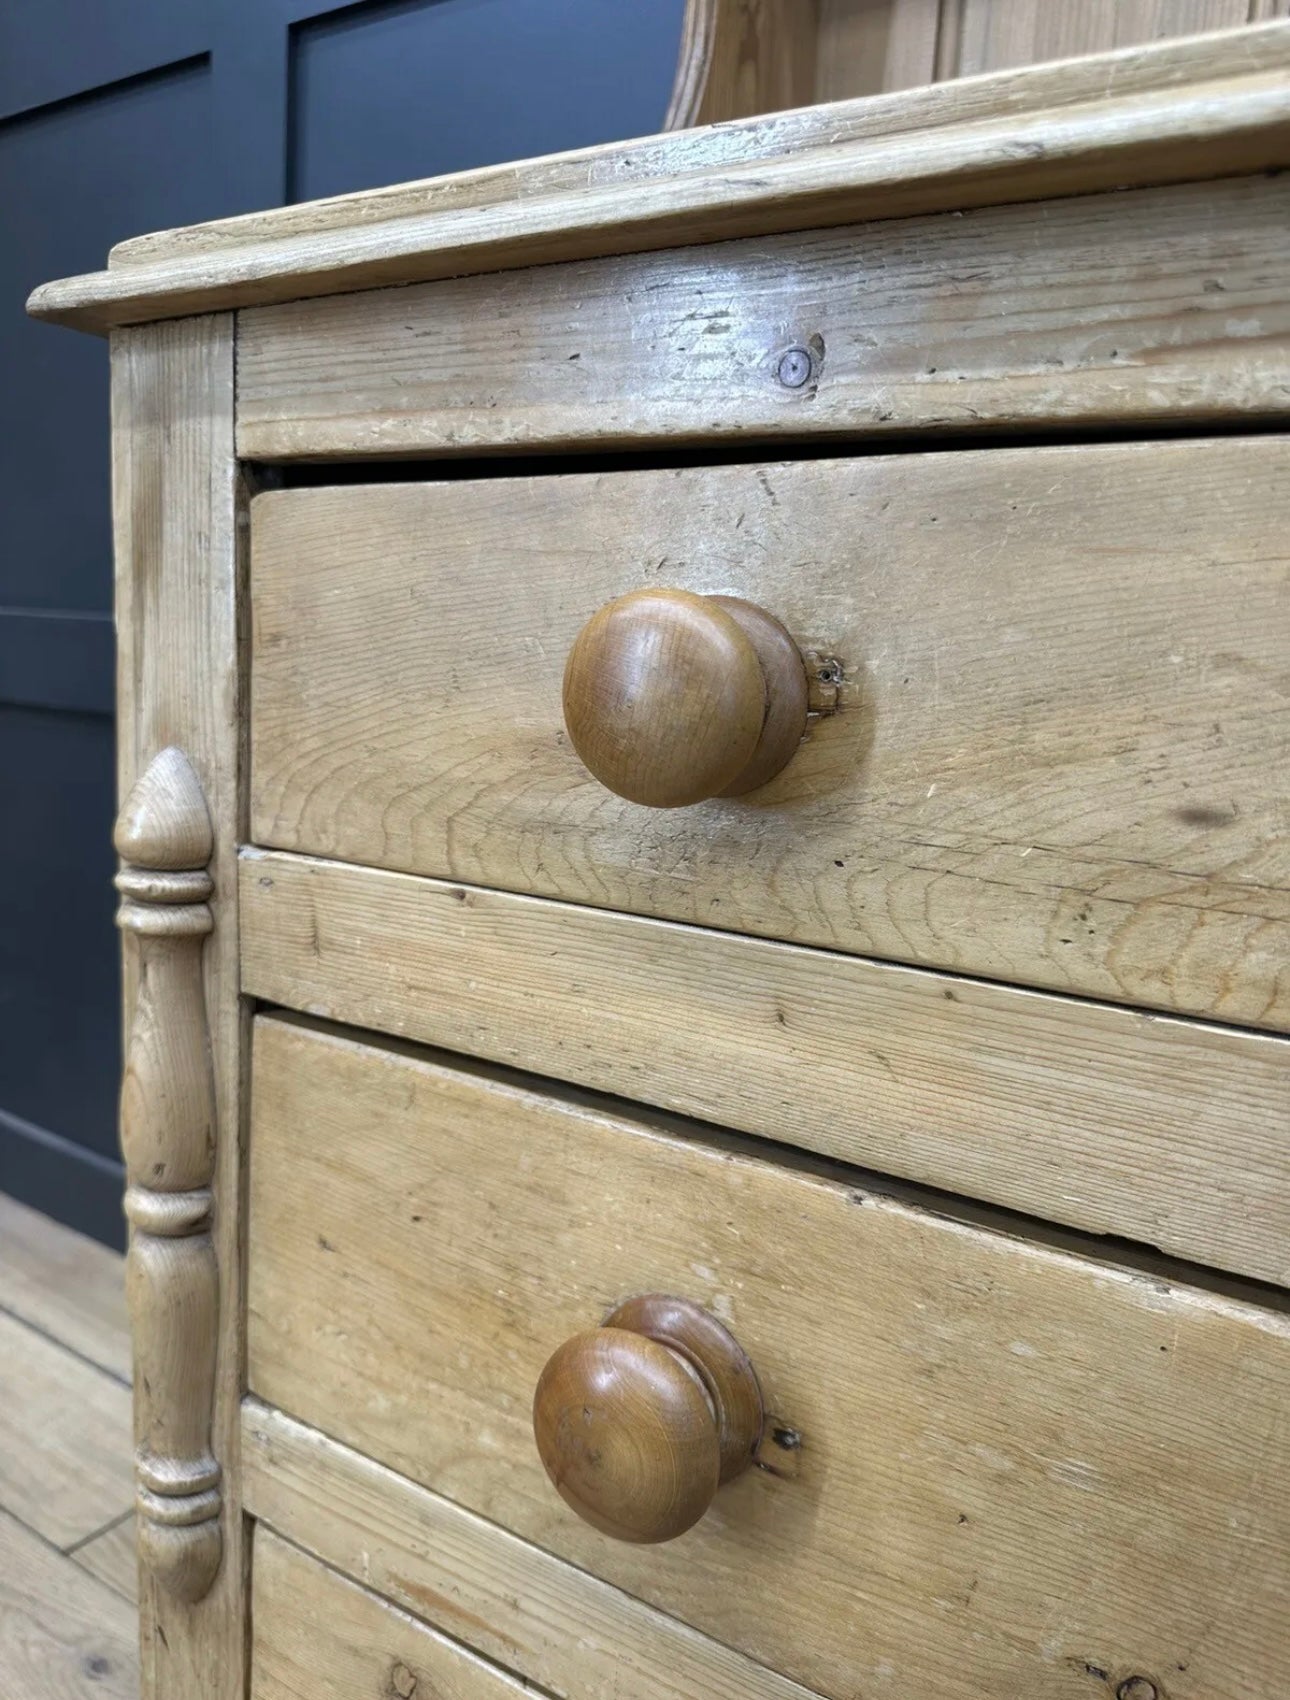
pixel 671 698
pixel 639 1421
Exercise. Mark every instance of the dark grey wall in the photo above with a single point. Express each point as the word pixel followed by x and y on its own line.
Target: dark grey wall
pixel 119 116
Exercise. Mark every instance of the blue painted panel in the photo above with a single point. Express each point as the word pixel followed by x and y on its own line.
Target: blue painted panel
pixel 53 49
pixel 57 661
pixel 386 93
pixel 59 1002
pixel 62 1178
pixel 73 180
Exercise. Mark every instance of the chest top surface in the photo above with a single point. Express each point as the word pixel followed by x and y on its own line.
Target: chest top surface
pixel 1199 107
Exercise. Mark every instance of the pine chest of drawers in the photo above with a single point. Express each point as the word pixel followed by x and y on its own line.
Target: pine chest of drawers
pixel 704 865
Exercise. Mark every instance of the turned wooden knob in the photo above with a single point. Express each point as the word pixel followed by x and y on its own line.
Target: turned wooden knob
pixel 639 1421
pixel 671 698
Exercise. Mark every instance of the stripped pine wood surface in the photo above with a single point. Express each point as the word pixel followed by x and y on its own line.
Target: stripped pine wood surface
pixel 1167 1132
pixel 67 1567
pixel 1149 304
pixel 991 35
pixel 561 1628
pixel 1160 69
pixel 1096 124
pixel 316 1633
pixel 747 56
pixel 168 1114
pixel 948 1402
pixel 1061 734
pixel 737 59
pixel 867 49
pixel 1005 1457
pixel 176 501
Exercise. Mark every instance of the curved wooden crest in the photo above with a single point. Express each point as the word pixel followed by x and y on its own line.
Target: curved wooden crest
pixel 742 57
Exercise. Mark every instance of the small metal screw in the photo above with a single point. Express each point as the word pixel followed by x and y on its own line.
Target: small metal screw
pixel 795 366
pixel 1137 1688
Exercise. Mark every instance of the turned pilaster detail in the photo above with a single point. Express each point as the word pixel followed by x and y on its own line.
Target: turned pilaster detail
pixel 163 835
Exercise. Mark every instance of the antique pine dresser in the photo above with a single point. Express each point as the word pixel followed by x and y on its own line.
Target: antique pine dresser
pixel 705 877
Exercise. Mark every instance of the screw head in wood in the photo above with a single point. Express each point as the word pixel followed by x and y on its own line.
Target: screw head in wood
pixel 795 367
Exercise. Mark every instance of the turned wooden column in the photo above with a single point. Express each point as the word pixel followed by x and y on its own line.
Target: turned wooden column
pixel 164 838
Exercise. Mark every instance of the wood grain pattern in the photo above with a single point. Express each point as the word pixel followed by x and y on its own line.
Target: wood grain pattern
pixel 61 1632
pixel 66 1480
pixel 318 1634
pixel 176 500
pixel 163 835
pixel 1221 126
pixel 1156 69
pixel 1112 309
pixel 747 56
pixel 69 1287
pixel 112 1556
pixel 968 1423
pixel 557 1626
pixel 992 35
pixel 1058 751
pixel 626 1436
pixel 869 47
pixel 672 699
pixel 64 1439
pixel 640 1419
pixel 1163 1131
pixel 743 57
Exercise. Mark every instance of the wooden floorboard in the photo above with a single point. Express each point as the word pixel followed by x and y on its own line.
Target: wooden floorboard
pixel 62 1632
pixel 69 1287
pixel 65 1465
pixel 68 1625
pixel 110 1556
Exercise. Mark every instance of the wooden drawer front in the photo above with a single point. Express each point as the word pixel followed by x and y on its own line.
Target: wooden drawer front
pixel 993 1467
pixel 1150 1128
pixel 1096 310
pixel 1061 751
pixel 562 1629
pixel 317 1634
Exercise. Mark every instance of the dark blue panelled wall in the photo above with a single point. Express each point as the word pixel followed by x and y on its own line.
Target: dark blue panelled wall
pixel 119 116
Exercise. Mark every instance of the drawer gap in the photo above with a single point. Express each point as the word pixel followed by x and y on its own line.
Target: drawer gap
pixel 310 473
pixel 867 1186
